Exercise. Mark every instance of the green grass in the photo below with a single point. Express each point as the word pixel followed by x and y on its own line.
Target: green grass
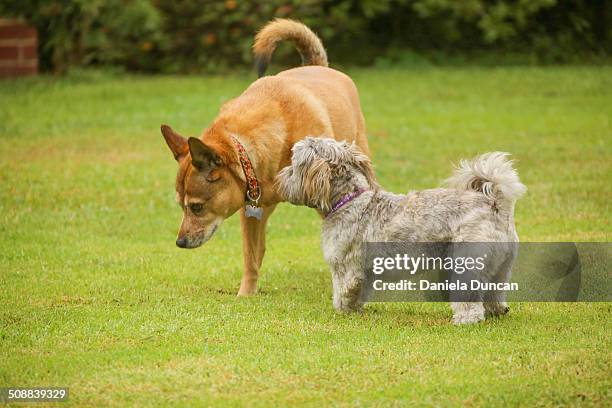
pixel 95 296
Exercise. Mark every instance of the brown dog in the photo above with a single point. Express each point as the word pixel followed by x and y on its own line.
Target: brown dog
pixel 233 165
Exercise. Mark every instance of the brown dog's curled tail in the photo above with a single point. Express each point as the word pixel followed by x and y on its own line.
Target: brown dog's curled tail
pixel 308 44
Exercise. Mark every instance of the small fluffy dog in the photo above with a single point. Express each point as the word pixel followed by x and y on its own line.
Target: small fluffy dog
pixel 337 179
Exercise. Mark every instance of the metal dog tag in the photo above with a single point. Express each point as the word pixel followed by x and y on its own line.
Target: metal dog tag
pixel 253 212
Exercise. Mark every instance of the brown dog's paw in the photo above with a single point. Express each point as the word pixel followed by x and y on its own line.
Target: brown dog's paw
pixel 247 288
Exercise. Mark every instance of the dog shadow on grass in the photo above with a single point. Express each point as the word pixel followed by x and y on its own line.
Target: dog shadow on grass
pixel 406 314
pixel 428 314
pixel 319 306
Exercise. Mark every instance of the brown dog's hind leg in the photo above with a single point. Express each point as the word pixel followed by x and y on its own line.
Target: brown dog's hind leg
pixel 253 249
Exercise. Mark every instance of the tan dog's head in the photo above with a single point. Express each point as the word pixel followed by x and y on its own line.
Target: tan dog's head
pixel 322 170
pixel 207 188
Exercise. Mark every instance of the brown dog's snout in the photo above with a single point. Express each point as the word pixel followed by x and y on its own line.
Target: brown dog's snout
pixel 181 242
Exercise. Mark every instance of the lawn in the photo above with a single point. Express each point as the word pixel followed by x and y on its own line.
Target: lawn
pixel 95 296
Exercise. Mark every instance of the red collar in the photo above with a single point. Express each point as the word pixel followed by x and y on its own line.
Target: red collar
pixel 253 191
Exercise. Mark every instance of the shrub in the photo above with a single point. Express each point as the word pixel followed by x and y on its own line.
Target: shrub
pixel 205 35
pixel 85 32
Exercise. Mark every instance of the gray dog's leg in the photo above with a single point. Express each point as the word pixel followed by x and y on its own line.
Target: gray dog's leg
pixel 347 290
pixel 495 301
pixel 466 305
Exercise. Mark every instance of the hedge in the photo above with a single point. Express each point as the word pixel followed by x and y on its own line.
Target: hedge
pixel 200 35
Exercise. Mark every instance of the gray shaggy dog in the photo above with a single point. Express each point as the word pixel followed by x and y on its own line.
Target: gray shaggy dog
pixel 337 179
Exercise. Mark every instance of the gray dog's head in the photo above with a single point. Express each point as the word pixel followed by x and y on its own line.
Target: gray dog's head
pixel 323 170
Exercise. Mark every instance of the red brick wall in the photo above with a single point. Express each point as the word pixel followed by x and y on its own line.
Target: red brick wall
pixel 18 48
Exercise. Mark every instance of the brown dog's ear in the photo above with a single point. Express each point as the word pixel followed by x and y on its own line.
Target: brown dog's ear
pixel 176 142
pixel 203 157
pixel 364 164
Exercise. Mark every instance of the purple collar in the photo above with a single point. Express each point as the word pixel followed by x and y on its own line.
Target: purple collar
pixel 345 200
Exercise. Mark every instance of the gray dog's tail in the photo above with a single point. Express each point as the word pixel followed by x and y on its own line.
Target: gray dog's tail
pixel 491 174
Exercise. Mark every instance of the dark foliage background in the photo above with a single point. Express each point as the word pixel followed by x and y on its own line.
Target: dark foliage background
pixel 201 35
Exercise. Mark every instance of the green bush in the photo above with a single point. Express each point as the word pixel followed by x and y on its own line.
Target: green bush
pixel 219 35
pixel 86 32
pixel 128 34
pixel 204 35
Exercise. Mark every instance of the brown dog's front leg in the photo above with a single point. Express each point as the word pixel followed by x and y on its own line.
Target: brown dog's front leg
pixel 253 249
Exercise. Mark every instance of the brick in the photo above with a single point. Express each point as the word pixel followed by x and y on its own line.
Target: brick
pixel 18 49
pixel 18 63
pixel 12 42
pixel 9 53
pixel 29 52
pixel 17 31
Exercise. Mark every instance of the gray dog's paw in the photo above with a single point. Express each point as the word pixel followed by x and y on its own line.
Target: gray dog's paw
pixel 348 307
pixel 496 309
pixel 468 317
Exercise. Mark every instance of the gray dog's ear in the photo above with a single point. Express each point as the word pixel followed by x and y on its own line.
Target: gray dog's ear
pixel 203 157
pixel 363 163
pixel 316 184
